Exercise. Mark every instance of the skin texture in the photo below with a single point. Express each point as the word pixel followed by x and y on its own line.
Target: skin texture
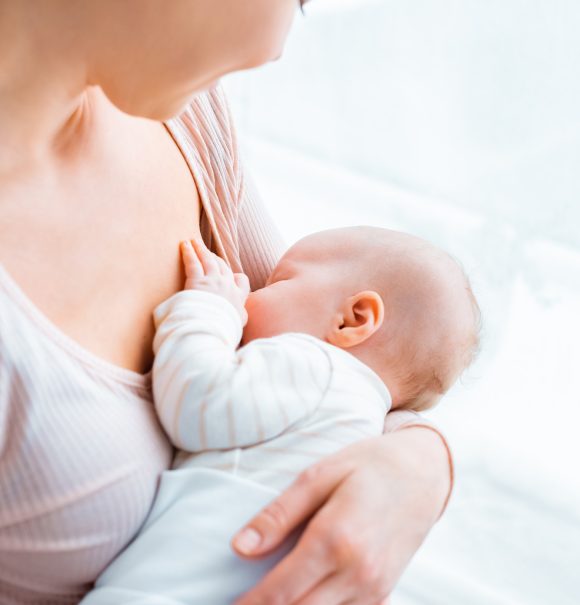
pixel 78 111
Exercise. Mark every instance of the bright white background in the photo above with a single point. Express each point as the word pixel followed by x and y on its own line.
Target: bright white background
pixel 457 120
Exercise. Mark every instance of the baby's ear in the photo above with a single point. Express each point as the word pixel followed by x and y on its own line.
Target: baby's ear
pixel 360 317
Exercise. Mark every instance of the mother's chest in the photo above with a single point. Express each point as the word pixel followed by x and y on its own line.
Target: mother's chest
pixel 136 185
pixel 95 246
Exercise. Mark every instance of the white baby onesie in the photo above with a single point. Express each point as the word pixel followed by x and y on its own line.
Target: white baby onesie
pixel 246 421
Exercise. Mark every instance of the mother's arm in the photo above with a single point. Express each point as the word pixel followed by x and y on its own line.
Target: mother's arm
pixel 370 506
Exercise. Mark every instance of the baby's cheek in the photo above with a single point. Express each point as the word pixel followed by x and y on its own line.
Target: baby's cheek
pixel 255 326
pixel 270 312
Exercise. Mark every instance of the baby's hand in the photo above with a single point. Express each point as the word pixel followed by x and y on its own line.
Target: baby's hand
pixel 206 271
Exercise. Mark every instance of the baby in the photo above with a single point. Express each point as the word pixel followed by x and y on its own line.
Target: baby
pixel 351 324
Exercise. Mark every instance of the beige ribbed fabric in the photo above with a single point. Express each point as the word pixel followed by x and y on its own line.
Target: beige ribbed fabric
pixel 81 449
pixel 233 223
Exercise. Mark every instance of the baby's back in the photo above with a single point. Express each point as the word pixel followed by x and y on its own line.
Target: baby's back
pixel 352 406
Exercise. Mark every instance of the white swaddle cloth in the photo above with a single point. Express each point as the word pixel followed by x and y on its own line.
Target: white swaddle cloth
pixel 183 555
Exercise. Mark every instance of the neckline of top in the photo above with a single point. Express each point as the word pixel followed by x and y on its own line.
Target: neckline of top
pixel 68 344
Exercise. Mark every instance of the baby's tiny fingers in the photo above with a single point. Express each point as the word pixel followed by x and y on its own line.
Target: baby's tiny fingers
pixel 191 263
pixel 207 257
pixel 223 267
pixel 243 284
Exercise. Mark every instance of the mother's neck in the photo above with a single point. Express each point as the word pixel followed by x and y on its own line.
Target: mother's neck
pixel 43 89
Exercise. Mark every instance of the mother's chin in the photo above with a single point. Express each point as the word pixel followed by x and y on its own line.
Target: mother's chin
pixel 151 58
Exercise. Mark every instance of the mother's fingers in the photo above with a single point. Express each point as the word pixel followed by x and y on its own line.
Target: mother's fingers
pixel 297 574
pixel 309 563
pixel 301 500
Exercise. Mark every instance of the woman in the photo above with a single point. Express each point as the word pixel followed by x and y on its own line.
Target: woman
pixel 94 196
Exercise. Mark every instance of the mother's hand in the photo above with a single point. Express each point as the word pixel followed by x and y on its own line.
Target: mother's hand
pixel 371 505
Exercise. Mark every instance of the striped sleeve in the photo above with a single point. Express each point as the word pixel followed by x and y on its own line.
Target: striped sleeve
pixel 210 396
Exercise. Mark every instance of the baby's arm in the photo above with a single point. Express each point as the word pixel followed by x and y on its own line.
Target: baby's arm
pixel 207 394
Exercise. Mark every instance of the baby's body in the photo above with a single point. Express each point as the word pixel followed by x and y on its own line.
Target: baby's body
pixel 263 412
pixel 314 375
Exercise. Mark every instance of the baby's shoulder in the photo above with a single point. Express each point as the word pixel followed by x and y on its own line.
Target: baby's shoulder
pixel 336 371
pixel 295 350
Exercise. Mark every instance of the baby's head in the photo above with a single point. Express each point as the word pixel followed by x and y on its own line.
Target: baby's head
pixel 396 302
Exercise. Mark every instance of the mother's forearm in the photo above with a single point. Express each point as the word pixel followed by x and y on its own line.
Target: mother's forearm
pixel 422 452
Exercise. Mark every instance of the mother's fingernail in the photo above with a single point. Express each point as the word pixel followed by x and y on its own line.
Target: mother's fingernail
pixel 247 540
